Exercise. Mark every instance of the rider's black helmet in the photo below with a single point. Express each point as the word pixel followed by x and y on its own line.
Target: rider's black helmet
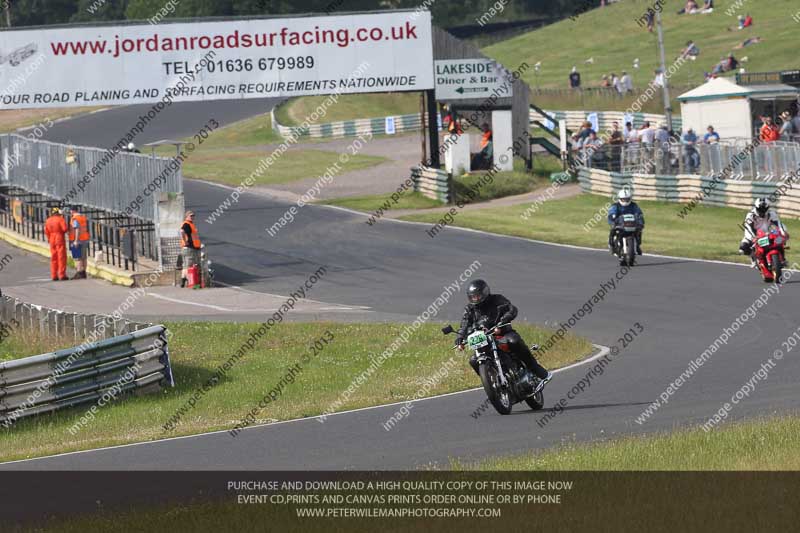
pixel 762 206
pixel 477 292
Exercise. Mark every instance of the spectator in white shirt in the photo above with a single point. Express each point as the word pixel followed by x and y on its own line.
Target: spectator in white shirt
pixel 627 82
pixel 659 80
pixel 647 135
pixel 630 134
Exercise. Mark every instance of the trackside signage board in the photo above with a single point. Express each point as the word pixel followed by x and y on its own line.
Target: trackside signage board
pixel 458 79
pixel 148 63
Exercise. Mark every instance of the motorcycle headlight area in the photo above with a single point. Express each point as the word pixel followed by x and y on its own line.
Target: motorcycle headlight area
pixel 477 340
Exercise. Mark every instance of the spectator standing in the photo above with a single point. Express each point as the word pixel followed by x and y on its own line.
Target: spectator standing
pixel 79 237
pixel 616 82
pixel 616 140
pixel 796 123
pixel 575 79
pixel 594 150
pixel 630 134
pixel 662 137
pixel 647 137
pixel 651 20
pixel 787 127
pixel 55 229
pixel 711 136
pixel 691 158
pixel 659 79
pixel 190 243
pixel 769 131
pixel 627 82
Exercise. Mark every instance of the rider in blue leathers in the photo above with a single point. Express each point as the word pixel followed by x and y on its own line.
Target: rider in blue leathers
pixel 625 206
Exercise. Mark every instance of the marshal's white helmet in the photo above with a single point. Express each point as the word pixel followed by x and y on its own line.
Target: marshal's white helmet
pixel 624 196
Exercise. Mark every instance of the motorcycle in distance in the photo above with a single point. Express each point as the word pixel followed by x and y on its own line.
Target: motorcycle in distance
pixel 505 380
pixel 770 254
pixel 624 239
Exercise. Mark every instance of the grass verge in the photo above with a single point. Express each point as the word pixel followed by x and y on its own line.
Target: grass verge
pixel 232 153
pixel 14 119
pixel 763 444
pixel 349 107
pixel 231 167
pixel 372 203
pixel 557 49
pixel 665 233
pixel 197 349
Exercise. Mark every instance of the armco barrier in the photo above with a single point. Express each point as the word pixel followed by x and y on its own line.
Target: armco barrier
pixel 605 119
pixel 688 188
pixel 403 123
pixel 432 182
pixel 349 128
pixel 131 363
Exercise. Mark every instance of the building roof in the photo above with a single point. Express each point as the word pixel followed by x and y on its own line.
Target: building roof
pixel 715 89
pixel 773 90
pixel 722 88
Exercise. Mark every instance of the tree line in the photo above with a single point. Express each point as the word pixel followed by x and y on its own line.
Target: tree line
pixel 445 12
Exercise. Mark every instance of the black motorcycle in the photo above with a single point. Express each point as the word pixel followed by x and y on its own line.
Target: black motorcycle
pixel 505 379
pixel 625 241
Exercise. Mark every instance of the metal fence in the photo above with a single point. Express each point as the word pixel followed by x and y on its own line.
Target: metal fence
pixel 92 177
pixel 122 240
pixel 130 363
pixel 736 159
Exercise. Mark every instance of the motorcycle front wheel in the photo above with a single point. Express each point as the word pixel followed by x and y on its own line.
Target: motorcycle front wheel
pixel 777 268
pixel 630 253
pixel 499 397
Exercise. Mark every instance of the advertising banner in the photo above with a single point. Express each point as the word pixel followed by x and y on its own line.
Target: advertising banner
pixel 281 57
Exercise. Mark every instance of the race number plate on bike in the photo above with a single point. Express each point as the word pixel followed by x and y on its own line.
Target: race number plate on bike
pixel 477 340
pixel 629 222
pixel 763 242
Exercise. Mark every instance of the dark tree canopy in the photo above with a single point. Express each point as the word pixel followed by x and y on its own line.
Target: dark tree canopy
pixel 445 12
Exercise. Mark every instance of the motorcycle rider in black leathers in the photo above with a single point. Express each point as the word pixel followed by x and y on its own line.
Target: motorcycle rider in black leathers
pixel 486 309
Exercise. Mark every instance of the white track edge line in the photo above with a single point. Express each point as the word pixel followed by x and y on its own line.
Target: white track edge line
pixel 602 351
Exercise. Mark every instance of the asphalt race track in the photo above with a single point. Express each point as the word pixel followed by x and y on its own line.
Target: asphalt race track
pixel 395 267
pixel 177 121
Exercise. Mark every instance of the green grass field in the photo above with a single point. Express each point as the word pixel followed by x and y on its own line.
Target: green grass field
pixel 570 43
pixel 348 107
pixel 665 233
pixel 197 349
pixel 232 153
pixel 765 444
pixel 613 37
pixel 234 166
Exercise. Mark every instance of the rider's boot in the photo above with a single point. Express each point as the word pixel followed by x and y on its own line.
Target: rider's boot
pixel 544 381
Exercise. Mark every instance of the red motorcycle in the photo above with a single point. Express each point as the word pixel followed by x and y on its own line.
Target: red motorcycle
pixel 770 253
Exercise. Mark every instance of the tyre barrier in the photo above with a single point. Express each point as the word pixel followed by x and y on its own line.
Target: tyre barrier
pixel 693 189
pixel 432 183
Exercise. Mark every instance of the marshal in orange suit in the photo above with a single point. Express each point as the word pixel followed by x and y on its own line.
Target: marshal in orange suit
pixel 55 229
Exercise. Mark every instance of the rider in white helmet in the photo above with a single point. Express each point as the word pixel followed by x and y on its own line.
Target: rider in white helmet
pixel 761 217
pixel 625 206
